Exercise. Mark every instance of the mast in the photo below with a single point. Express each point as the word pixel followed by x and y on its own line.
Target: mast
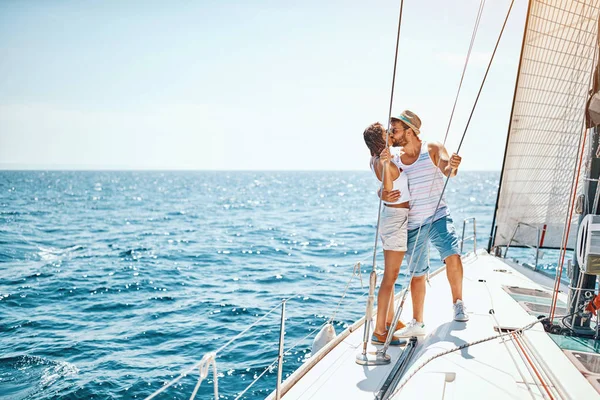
pixel 583 286
pixel 580 286
pixel 512 110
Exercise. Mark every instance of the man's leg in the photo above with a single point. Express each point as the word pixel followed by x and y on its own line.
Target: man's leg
pixel 454 272
pixel 443 237
pixel 417 294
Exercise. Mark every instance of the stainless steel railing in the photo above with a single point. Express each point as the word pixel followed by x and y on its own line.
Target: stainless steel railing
pixel 474 236
pixel 537 247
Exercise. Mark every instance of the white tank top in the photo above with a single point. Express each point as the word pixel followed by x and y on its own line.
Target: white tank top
pixel 400 183
pixel 426 184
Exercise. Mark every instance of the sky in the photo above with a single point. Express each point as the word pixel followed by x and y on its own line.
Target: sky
pixel 245 85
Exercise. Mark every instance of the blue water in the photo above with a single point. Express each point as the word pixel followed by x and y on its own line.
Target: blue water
pixel 111 283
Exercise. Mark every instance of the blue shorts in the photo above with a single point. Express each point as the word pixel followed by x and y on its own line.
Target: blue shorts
pixel 442 235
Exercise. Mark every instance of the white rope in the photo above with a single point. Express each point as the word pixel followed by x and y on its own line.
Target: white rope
pixel 452 350
pixel 199 364
pixel 204 366
pixel 493 313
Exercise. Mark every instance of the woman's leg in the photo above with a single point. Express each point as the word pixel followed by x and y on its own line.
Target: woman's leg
pixel 391 309
pixel 393 260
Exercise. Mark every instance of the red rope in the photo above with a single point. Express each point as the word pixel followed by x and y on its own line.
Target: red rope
pixel 533 366
pixel 563 250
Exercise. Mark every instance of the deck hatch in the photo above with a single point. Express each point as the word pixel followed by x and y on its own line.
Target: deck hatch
pixel 527 292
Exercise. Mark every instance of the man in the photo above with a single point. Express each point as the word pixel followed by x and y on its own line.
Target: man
pixel 426 165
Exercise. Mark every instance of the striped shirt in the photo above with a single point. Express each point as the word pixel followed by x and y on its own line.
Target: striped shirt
pixel 426 183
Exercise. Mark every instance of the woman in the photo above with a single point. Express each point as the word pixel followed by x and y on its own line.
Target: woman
pixel 392 230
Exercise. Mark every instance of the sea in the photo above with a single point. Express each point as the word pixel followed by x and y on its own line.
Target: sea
pixel 113 283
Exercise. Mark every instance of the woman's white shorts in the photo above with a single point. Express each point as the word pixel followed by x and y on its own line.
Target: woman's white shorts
pixel 394 227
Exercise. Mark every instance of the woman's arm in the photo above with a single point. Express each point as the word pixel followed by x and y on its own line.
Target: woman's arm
pixel 391 171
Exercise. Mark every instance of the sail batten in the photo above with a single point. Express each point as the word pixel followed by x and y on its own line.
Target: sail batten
pixel 547 121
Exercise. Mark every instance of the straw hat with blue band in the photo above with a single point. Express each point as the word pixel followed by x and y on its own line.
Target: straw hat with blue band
pixel 411 119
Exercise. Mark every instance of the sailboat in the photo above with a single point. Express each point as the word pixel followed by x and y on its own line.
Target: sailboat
pixel 529 335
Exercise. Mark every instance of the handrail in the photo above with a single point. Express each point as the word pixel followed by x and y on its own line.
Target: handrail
pixel 537 248
pixel 474 236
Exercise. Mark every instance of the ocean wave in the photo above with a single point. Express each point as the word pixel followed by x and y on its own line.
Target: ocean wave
pixel 39 373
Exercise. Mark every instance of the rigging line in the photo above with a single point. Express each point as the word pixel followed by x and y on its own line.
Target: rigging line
pixel 400 308
pixel 484 78
pixel 268 368
pixel 197 365
pixel 546 371
pixel 472 111
pixel 270 311
pixel 388 131
pixel 209 359
pixel 461 347
pixel 574 185
pixel 527 366
pixel 373 274
pixel 473 36
pixel 532 365
pixel 287 353
pixel 297 293
pixel 344 294
pixel 567 228
pixel 493 314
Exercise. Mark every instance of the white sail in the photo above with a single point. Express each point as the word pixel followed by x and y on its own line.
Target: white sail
pixel 547 121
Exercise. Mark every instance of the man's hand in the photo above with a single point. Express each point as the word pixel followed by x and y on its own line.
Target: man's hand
pixel 389 196
pixel 451 168
pixel 455 161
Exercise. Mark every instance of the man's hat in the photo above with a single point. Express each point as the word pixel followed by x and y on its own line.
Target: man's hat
pixel 411 119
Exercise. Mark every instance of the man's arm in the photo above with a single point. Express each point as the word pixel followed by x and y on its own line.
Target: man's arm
pixel 439 155
pixel 390 197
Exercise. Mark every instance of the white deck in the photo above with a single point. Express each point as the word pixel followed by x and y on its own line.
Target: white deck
pixel 482 371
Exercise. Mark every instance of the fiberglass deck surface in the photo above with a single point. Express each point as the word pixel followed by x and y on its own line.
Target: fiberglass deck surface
pixel 483 370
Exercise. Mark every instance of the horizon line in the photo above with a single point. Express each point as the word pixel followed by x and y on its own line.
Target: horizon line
pixel 66 169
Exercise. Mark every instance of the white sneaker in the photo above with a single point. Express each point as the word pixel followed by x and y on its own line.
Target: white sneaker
pixel 460 311
pixel 413 328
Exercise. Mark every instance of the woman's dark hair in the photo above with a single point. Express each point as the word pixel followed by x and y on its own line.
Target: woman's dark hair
pixel 374 138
